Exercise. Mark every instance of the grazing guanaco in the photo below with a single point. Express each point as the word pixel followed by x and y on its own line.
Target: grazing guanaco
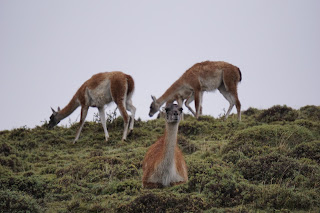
pixel 164 164
pixel 201 77
pixel 99 90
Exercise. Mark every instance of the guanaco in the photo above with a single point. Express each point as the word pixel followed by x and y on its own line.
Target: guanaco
pixel 164 164
pixel 201 77
pixel 100 90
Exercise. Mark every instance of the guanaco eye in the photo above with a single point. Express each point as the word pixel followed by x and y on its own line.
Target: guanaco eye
pixel 180 109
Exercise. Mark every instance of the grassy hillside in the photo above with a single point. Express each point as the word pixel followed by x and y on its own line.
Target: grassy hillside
pixel 268 161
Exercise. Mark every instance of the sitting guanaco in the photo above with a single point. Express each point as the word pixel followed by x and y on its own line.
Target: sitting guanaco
pixel 164 164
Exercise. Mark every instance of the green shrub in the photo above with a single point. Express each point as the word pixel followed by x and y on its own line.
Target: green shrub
pixel 27 144
pixel 129 187
pixel 267 135
pixel 186 146
pixel 139 134
pixel 124 171
pixel 312 174
pixel 226 191
pixel 5 172
pixel 278 113
pixel 151 202
pixel 34 186
pixel 237 209
pixel 19 133
pixel 188 128
pixel 14 163
pixel 271 168
pixel 310 112
pixel 77 171
pixel 12 201
pixel 207 118
pixel 313 126
pixel 234 156
pixel 5 149
pixel 61 197
pixel 73 206
pixel 102 160
pixel 279 169
pixel 251 111
pixel 284 198
pixel 200 173
pixel 221 185
pixel 309 150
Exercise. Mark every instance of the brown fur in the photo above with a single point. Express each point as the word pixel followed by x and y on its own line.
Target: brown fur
pixel 152 158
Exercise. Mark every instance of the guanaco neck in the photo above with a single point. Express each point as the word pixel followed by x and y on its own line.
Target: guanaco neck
pixel 170 140
pixel 67 110
pixel 170 92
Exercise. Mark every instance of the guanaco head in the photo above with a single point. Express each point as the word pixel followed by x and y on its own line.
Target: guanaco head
pixel 154 107
pixel 173 113
pixel 53 119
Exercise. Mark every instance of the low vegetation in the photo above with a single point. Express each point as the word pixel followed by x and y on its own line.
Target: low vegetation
pixel 268 162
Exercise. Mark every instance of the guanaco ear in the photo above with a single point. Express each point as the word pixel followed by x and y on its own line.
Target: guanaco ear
pixel 53 110
pixel 58 109
pixel 153 98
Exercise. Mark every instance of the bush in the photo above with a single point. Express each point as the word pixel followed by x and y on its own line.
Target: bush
pixel 5 149
pixel 200 173
pixel 233 156
pixel 313 126
pixel 151 202
pixel 188 128
pixel 186 146
pixel 228 191
pixel 207 118
pixel 34 186
pixel 12 201
pixel 14 163
pixel 78 171
pixel 278 113
pixel 271 168
pixel 283 198
pixel 267 135
pixel 129 187
pixel 310 112
pixel 19 133
pixel 309 150
pixel 251 111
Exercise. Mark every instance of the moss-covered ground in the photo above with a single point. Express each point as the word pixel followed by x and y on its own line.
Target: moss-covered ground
pixel 268 162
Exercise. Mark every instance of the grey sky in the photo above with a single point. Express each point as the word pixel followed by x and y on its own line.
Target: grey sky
pixel 49 48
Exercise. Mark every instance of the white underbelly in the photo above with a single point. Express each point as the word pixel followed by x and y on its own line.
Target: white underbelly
pixel 165 174
pixel 212 82
pixel 100 96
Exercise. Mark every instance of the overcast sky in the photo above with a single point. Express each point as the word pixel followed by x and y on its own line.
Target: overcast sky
pixel 49 48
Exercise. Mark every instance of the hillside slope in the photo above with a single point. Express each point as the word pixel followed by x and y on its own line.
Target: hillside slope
pixel 268 161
